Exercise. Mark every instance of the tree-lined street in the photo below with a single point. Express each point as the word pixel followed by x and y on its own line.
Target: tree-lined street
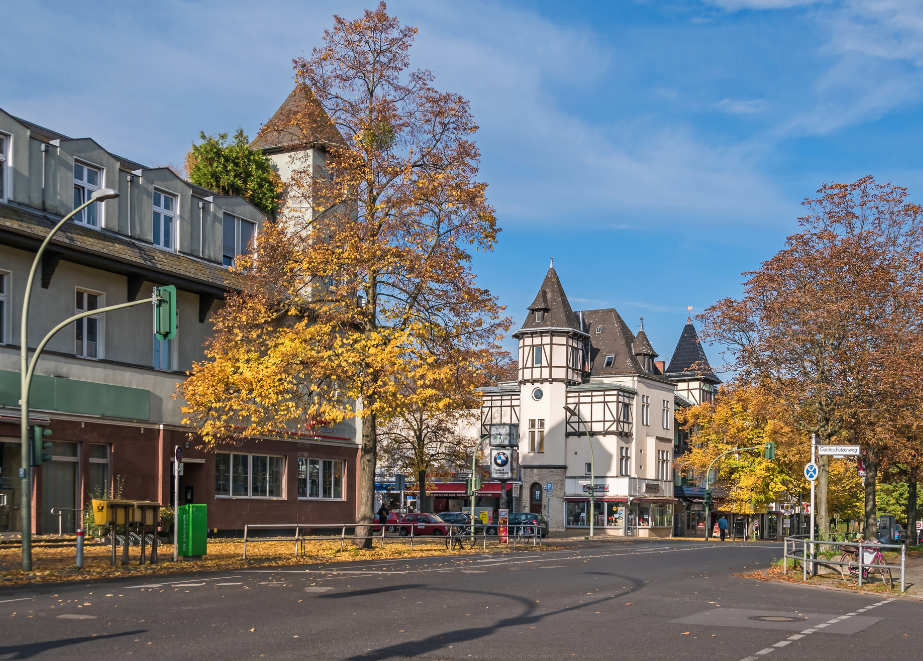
pixel 618 600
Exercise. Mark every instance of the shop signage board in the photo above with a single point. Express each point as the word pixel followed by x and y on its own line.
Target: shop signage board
pixel 839 451
pixel 650 487
pixel 501 464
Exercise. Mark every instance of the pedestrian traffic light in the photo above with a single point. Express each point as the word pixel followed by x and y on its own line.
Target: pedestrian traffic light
pixel 770 450
pixel 707 498
pixel 39 445
pixel 164 299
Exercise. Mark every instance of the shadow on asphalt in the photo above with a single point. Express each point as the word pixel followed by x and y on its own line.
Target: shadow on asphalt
pixel 31 649
pixel 361 593
pixel 529 616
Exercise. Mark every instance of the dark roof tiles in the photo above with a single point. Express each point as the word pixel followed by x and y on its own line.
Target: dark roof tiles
pixel 642 346
pixel 689 359
pixel 553 301
pixel 300 121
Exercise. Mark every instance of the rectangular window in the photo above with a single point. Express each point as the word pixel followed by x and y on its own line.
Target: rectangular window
pixel 164 220
pixel 588 468
pixel 665 418
pixel 626 412
pixel 87 329
pixel 99 470
pixel 645 410
pixel 249 476
pixel 624 460
pixel 86 180
pixel 4 151
pixel 163 354
pixel 536 435
pixel 538 315
pixel 537 356
pixel 237 237
pixel 4 307
pixel 318 478
pixel 663 465
pixel 609 361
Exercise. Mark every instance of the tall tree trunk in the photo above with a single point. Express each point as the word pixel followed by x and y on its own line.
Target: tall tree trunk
pixel 421 482
pixel 365 496
pixel 871 505
pixel 912 510
pixel 821 490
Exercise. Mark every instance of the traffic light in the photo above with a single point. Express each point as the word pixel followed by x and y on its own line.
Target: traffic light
pixel 39 445
pixel 770 450
pixel 165 312
pixel 708 501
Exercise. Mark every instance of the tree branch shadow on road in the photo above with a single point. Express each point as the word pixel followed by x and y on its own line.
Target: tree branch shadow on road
pixel 370 591
pixel 529 616
pixel 28 650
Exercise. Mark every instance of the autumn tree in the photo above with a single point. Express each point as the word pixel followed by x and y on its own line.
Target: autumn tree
pixel 831 326
pixel 232 168
pixel 362 303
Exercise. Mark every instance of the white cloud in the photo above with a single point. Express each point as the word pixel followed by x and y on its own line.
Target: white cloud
pixel 737 5
pixel 739 106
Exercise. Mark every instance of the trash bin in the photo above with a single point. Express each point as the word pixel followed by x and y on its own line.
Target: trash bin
pixel 191 531
pixel 103 511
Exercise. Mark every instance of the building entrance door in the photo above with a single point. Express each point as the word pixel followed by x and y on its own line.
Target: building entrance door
pixel 535 498
pixel 59 487
pixel 10 485
pixel 631 520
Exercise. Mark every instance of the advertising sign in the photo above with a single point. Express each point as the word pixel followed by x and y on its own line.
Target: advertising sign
pixel 501 464
pixel 502 522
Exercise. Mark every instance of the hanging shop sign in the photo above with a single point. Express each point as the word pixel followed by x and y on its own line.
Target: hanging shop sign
pixel 501 463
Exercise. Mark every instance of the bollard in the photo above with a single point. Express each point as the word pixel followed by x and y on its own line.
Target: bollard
pixel 79 548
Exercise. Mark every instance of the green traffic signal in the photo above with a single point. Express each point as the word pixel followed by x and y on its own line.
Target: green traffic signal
pixel 708 500
pixel 165 312
pixel 39 445
pixel 770 450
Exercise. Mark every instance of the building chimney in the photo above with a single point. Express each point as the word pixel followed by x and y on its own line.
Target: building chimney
pixel 661 366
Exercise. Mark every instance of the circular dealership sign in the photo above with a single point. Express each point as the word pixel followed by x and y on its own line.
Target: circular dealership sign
pixel 501 459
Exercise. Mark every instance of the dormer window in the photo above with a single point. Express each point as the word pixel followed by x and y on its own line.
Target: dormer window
pixel 86 181
pixel 539 316
pixel 164 216
pixel 609 361
pixel 599 329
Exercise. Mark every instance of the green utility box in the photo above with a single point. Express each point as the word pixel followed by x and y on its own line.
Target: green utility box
pixel 192 529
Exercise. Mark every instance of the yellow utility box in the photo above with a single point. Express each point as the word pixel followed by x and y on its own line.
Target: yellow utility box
pixel 104 512
pixel 146 512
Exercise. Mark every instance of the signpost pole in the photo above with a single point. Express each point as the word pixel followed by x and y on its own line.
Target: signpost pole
pixel 178 461
pixel 813 461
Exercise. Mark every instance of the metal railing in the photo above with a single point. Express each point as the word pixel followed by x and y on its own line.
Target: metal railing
pixel 60 512
pixel 404 533
pixel 809 551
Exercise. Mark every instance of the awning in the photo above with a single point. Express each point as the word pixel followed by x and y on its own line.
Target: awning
pixel 460 489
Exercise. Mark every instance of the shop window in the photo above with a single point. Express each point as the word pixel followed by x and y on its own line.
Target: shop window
pixel 321 478
pixel 249 475
pixel 615 515
pixel 576 513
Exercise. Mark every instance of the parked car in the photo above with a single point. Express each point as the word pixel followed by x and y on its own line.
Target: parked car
pixel 422 524
pixel 390 524
pixel 523 521
pixel 461 519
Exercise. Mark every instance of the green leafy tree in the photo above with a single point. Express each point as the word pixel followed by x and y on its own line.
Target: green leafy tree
pixel 232 168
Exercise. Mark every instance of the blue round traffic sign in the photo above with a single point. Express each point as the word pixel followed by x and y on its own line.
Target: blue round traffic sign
pixel 810 471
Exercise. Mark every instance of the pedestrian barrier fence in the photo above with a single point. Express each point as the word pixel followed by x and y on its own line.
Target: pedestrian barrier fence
pixel 59 512
pixel 858 558
pixel 458 535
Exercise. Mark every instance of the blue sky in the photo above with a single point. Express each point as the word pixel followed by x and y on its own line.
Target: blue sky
pixel 655 149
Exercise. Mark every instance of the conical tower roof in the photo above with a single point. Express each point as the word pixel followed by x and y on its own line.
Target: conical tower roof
pixel 551 300
pixel 642 346
pixel 689 358
pixel 299 123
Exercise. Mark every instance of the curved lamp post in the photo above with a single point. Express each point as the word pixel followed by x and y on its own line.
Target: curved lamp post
pixel 592 512
pixel 25 371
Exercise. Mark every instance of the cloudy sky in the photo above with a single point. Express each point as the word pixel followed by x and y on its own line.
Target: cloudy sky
pixel 656 149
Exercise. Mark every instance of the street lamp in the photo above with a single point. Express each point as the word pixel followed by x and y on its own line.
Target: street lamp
pixel 592 512
pixel 25 375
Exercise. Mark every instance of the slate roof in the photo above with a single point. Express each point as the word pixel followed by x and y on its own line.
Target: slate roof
pixel 47 135
pixel 613 339
pixel 553 301
pixel 115 252
pixel 642 346
pixel 689 359
pixel 299 122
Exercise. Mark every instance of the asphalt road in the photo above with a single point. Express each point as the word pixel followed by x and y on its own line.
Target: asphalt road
pixel 659 600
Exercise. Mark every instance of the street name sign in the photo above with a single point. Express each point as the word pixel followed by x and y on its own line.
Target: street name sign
pixel 810 471
pixel 839 450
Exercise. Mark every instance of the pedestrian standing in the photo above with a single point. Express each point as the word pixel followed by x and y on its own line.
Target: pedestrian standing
pixel 722 527
pixel 383 514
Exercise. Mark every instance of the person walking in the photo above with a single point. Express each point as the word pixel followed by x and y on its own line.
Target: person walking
pixel 383 514
pixel 722 527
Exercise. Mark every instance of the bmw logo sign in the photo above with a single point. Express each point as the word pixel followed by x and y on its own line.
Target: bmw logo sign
pixel 501 459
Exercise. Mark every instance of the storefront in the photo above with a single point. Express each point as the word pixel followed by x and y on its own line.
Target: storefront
pixel 618 516
pixel 453 496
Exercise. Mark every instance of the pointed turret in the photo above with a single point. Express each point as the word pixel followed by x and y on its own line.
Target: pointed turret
pixel 299 123
pixel 550 309
pixel 643 350
pixel 689 359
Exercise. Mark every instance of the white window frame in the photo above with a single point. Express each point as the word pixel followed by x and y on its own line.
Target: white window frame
pixel 88 189
pixel 238 251
pixel 665 415
pixel 306 461
pixel 587 468
pixel 624 460
pixel 536 435
pixel 663 465
pixel 610 361
pixel 249 496
pixel 80 351
pixel 7 140
pixel 645 410
pixel 6 298
pixel 158 241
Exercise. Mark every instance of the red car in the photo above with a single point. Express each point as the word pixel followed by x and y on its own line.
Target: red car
pixel 391 524
pixel 423 524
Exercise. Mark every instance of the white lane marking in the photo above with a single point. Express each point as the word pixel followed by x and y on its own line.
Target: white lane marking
pixel 136 587
pixel 797 636
pixel 6 601
pixel 74 616
pixel 319 588
pixel 186 585
pixel 765 651
pixel 227 583
pixel 783 643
